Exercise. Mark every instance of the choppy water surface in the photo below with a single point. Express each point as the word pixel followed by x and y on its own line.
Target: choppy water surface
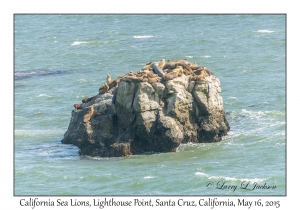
pixel 60 59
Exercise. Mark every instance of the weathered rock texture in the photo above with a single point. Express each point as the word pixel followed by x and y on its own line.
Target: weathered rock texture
pixel 148 112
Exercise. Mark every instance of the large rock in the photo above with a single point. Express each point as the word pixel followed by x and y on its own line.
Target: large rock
pixel 139 117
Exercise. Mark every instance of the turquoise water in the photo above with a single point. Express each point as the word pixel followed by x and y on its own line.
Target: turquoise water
pixel 60 59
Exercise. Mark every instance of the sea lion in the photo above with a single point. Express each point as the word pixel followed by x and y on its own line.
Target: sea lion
pixel 198 71
pixel 151 74
pixel 108 79
pixel 203 69
pixel 171 75
pixel 170 65
pixel 157 69
pixel 187 72
pixel 78 106
pixel 152 80
pixel 118 79
pixel 147 66
pixel 126 151
pixel 161 63
pixel 184 66
pixel 202 76
pixel 186 61
pixel 114 83
pixel 194 66
pixel 91 113
pixel 145 79
pixel 179 70
pixel 104 88
pixel 141 73
pixel 199 77
pixel 168 70
pixel 131 73
pixel 133 79
pixel 87 99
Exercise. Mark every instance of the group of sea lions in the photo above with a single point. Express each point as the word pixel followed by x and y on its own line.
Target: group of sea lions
pixel 153 72
pixel 109 84
pixel 158 71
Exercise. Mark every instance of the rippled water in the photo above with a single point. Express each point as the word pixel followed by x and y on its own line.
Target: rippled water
pixel 60 59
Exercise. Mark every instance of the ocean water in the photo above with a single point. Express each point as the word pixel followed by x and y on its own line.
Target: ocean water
pixel 60 59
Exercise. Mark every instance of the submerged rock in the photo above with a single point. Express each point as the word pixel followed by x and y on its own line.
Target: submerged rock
pixel 153 110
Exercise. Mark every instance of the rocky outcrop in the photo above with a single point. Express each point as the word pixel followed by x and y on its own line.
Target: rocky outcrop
pixel 163 105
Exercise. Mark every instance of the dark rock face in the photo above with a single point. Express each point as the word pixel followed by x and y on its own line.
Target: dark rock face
pixel 140 117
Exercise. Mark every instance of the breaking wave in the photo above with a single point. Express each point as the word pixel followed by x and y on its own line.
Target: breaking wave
pixel 264 31
pixel 142 37
pixel 228 178
pixel 78 43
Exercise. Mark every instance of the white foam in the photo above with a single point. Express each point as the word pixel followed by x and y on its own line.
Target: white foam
pixel 189 56
pixel 264 31
pixel 142 37
pixel 148 177
pixel 201 174
pixel 81 80
pixel 44 95
pixel 206 56
pixel 78 43
pixel 253 113
pixel 232 98
pixel 229 178
pixel 236 179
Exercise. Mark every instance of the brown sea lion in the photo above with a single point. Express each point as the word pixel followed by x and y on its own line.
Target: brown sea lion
pixel 89 114
pixel 201 69
pixel 161 63
pixel 108 79
pixel 171 75
pixel 104 88
pixel 198 71
pixel 170 65
pixel 131 73
pixel 155 79
pixel 78 106
pixel 133 79
pixel 184 66
pixel 145 79
pixel 194 66
pixel 142 73
pixel 179 70
pixel 87 99
pixel 200 76
pixel 147 66
pixel 151 74
pixel 114 82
